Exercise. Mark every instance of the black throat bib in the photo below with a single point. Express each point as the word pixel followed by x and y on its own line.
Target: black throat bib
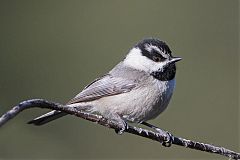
pixel 166 74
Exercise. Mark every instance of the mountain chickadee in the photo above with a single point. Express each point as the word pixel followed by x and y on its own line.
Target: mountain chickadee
pixel 136 90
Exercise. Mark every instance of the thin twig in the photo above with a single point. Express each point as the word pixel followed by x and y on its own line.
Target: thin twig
pixel 40 103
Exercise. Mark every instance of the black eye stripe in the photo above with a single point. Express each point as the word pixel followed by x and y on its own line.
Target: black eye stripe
pixel 162 46
pixel 151 47
pixel 156 54
pixel 153 54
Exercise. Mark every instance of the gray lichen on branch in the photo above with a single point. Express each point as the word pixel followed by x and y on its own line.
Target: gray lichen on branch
pixel 41 103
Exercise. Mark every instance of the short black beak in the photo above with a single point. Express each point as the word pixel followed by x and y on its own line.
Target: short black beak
pixel 175 59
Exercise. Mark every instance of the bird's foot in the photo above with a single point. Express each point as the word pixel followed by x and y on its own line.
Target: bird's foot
pixel 167 142
pixel 123 126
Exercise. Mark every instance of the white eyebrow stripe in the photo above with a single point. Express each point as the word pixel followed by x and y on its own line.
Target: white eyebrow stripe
pixel 150 47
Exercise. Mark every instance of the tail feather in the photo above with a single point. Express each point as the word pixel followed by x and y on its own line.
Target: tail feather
pixel 48 117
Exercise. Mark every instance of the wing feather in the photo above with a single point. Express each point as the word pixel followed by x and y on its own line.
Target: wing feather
pixel 102 87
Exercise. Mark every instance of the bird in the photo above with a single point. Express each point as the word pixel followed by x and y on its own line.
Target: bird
pixel 136 90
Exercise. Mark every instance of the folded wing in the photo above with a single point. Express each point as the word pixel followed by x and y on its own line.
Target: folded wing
pixel 102 87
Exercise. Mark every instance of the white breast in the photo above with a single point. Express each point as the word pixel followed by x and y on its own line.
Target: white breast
pixel 166 88
pixel 141 104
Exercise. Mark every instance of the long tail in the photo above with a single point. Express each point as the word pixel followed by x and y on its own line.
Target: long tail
pixel 48 117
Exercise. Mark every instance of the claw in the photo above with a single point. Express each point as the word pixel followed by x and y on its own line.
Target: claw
pixel 170 137
pixel 124 126
pixel 169 140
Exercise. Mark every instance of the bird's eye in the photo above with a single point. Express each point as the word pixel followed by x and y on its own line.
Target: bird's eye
pixel 156 59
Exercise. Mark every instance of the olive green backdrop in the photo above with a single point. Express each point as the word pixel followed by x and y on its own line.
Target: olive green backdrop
pixel 52 49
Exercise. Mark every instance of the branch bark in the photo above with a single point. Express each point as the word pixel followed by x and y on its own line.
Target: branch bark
pixel 41 103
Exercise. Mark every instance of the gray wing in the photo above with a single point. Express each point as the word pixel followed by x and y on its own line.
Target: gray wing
pixel 102 87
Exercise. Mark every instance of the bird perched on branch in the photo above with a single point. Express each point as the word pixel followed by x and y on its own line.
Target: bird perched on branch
pixel 136 90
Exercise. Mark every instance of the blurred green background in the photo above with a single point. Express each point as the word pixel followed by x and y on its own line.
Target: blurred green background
pixel 52 49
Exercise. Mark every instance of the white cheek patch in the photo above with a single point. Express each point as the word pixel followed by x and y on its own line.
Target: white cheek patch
pixel 136 60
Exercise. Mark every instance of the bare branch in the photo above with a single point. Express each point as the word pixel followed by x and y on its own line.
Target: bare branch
pixel 40 103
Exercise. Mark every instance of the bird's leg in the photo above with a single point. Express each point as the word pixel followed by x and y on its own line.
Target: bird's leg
pixel 170 137
pixel 123 124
